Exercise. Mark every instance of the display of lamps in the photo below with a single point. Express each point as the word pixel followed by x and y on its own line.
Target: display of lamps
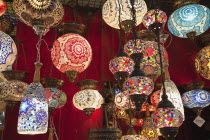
pixel 3 7
pixel 41 15
pixel 8 51
pixel 71 54
pixel 88 99
pixel 110 12
pixel 202 62
pixel 185 22
pixel 33 113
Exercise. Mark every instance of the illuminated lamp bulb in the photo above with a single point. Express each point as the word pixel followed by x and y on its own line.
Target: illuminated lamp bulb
pixel 110 12
pixel 71 54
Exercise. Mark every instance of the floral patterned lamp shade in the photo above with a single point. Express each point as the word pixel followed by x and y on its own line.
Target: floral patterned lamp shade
pixel 202 62
pixel 110 11
pixel 71 53
pixel 167 117
pixel 196 98
pixel 50 11
pixel 8 51
pixel 3 7
pixel 187 19
pixel 134 137
pixel 139 85
pixel 154 15
pixel 149 130
pixel 56 98
pixel 87 98
pixel 121 64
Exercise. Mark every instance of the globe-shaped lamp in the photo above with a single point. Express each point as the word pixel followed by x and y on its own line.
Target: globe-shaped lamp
pixel 110 11
pixel 71 54
pixel 154 15
pixel 202 62
pixel 3 7
pixel 186 21
pixel 8 51
pixel 196 98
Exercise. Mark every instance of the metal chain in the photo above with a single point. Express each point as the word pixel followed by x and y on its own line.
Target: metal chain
pixel 133 14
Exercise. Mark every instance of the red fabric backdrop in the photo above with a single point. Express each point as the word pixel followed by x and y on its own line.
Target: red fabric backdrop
pixel 70 123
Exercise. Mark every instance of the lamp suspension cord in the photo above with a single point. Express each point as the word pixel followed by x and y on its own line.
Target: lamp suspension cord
pixel 121 49
pixel 38 45
pixel 133 13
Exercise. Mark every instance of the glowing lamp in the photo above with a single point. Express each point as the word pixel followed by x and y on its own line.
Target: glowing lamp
pixel 196 98
pixel 202 62
pixel 8 51
pixel 133 137
pixel 110 11
pixel 153 16
pixel 3 7
pixel 186 21
pixel 71 54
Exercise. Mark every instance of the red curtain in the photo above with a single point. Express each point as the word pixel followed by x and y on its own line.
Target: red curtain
pixel 71 123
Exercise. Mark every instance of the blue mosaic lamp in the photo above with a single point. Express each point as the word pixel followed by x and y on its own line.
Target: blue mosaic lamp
pixel 196 98
pixel 189 21
pixel 33 113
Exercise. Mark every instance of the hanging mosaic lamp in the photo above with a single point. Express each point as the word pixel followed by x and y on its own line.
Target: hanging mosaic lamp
pixel 185 22
pixel 56 97
pixel 33 113
pixel 132 47
pixel 134 137
pixel 41 15
pixel 3 7
pixel 8 51
pixel 88 98
pixel 110 12
pixel 71 54
pixel 202 62
pixel 122 101
pixel 154 15
pixel 14 88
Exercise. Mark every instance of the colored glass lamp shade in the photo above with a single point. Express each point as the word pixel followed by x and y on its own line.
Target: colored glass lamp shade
pixel 133 137
pixel 3 7
pixel 196 98
pixel 135 122
pixel 132 47
pixel 33 113
pixel 110 11
pixel 122 101
pixel 71 54
pixel 8 51
pixel 50 12
pixel 186 21
pixel 154 15
pixel 202 62
pixel 151 108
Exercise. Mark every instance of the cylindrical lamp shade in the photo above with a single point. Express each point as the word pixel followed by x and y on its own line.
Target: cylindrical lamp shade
pixel 196 98
pixel 135 47
pixel 71 52
pixel 133 137
pixel 13 90
pixel 8 51
pixel 3 7
pixel 152 16
pixel 56 98
pixel 33 113
pixel 138 85
pixel 121 64
pixel 192 17
pixel 202 62
pixel 110 11
pixel 167 117
pixel 87 98
pixel 51 11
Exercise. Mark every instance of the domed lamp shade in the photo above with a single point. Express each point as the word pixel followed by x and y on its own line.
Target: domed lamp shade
pixel 196 98
pixel 48 13
pixel 186 21
pixel 8 51
pixel 3 7
pixel 110 11
pixel 134 137
pixel 202 62
pixel 154 15
pixel 71 54
pixel 33 112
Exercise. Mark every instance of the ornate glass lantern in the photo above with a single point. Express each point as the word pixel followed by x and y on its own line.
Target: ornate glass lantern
pixel 152 16
pixel 202 62
pixel 186 21
pixel 33 113
pixel 8 51
pixel 122 101
pixel 196 98
pixel 133 137
pixel 3 7
pixel 132 47
pixel 71 54
pixel 110 12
